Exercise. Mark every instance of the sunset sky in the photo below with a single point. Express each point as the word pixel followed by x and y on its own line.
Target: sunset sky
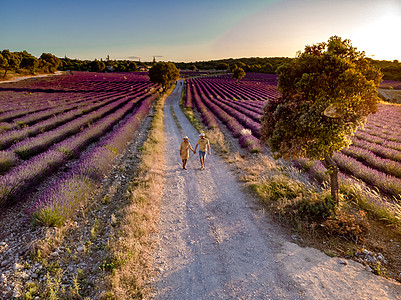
pixel 195 30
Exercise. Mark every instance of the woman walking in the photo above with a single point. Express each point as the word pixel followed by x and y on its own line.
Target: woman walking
pixel 184 151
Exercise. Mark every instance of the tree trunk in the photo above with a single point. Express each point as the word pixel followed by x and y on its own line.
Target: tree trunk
pixel 331 166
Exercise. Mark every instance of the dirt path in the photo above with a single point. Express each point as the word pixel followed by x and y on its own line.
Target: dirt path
pixel 216 243
pixel 30 76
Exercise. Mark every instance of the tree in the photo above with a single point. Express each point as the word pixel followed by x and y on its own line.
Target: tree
pixel 193 68
pixel 49 63
pixel 29 62
pixel 164 73
pixel 268 68
pixel 9 61
pixel 242 65
pixel 238 73
pixel 222 66
pixel 131 66
pixel 3 61
pixel 97 66
pixel 326 93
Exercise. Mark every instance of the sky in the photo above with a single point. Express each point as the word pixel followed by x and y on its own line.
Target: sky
pixel 197 30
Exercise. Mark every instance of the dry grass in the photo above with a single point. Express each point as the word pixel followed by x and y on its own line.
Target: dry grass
pixel 308 214
pixel 54 237
pixel 134 241
pixel 217 140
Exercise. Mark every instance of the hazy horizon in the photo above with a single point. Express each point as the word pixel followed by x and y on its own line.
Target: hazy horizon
pixel 189 31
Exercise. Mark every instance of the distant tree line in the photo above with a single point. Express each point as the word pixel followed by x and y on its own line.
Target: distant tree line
pixel 391 69
pixel 25 63
pixel 251 64
pixel 101 65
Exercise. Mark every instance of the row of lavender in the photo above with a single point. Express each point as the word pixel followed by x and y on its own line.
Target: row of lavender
pixel 60 202
pixel 240 125
pixel 374 157
pixel 31 140
pixel 37 154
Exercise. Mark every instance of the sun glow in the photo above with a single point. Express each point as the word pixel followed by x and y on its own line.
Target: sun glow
pixel 378 38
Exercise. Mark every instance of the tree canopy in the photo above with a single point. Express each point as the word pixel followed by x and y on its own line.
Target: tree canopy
pixel 49 63
pixel 25 63
pixel 222 66
pixel 327 91
pixel 97 66
pixel 164 73
pixel 238 73
pixel 9 61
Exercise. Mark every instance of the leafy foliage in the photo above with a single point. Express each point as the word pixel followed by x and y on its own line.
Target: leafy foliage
pixel 97 66
pixel 327 92
pixel 163 73
pixel 22 62
pixel 250 64
pixel 391 69
pixel 49 63
pixel 9 61
pixel 222 66
pixel 238 73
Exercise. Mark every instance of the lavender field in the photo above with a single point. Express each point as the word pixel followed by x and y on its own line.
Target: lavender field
pixel 374 156
pixel 77 123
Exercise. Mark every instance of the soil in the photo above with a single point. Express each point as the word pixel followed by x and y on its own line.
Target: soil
pixel 216 242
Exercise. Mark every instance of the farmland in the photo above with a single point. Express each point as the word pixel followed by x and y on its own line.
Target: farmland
pixel 72 125
pixel 374 156
pixel 60 140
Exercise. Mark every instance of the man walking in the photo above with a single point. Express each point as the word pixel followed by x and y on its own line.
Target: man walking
pixel 204 145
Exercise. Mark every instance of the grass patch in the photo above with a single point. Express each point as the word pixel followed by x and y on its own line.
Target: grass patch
pixel 176 119
pixel 308 213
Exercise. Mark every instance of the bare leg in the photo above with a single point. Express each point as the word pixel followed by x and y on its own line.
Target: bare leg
pixel 202 161
pixel 184 163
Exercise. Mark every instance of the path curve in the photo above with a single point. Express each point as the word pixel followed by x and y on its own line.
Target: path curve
pixel 215 242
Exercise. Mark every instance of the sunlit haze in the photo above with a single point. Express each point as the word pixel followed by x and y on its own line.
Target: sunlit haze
pixel 197 30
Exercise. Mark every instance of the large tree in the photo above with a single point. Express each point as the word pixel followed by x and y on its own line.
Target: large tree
pixel 222 66
pixel 238 73
pixel 49 63
pixel 97 66
pixel 327 91
pixel 29 62
pixel 164 73
pixel 9 61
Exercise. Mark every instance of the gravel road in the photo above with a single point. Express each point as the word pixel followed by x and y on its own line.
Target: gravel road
pixel 216 242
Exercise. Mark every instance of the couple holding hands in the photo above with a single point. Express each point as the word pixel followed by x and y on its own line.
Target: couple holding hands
pixel 203 144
